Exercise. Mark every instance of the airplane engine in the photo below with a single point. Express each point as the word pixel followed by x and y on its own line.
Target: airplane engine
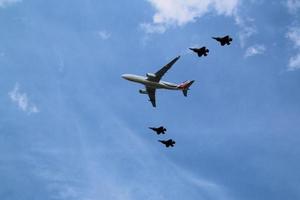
pixel 143 92
pixel 150 75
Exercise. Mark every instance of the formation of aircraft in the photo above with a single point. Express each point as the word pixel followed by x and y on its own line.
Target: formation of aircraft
pixel 152 81
pixel 203 51
pixel 159 130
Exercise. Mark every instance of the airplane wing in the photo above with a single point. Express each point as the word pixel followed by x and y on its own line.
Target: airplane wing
pixel 193 49
pixel 160 73
pixel 151 94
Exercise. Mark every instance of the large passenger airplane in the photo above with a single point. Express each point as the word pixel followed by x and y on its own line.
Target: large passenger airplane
pixel 153 82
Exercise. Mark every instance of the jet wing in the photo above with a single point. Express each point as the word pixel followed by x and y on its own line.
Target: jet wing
pixel 160 73
pixel 151 94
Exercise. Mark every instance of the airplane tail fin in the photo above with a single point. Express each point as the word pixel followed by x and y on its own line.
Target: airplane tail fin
pixel 185 87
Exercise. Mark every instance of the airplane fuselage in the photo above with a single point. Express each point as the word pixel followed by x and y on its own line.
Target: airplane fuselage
pixel 152 81
pixel 157 85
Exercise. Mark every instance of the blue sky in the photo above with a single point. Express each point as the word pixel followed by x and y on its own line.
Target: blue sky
pixel 72 128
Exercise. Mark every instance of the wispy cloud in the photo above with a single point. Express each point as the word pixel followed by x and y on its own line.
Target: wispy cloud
pixel 179 12
pixel 294 63
pixel 4 3
pixel 99 171
pixel 153 28
pixel 247 28
pixel 211 189
pixel 293 5
pixel 255 50
pixel 104 35
pixel 294 36
pixel 22 100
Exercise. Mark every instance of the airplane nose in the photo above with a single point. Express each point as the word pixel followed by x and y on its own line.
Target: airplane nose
pixel 125 76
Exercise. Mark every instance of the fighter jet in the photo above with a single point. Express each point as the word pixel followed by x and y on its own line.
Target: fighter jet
pixel 168 143
pixel 153 82
pixel 159 130
pixel 223 40
pixel 200 51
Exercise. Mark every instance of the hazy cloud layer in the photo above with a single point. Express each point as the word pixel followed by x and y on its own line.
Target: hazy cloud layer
pixel 293 5
pixel 101 167
pixel 4 3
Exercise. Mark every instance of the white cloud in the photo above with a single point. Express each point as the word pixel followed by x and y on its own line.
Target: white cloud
pixel 22 100
pixel 170 13
pixel 294 63
pixel 4 3
pixel 104 35
pixel 294 36
pixel 255 50
pixel 293 5
pixel 179 12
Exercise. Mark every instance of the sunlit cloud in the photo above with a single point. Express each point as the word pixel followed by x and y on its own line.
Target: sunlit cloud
pixel 173 13
pixel 180 12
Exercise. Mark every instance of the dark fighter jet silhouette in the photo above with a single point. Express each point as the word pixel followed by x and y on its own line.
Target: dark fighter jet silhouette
pixel 223 40
pixel 200 51
pixel 159 130
pixel 168 143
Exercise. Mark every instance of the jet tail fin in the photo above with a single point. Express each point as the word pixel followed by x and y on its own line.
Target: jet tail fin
pixel 185 92
pixel 185 87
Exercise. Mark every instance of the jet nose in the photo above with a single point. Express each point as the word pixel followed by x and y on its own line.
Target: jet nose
pixel 125 76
